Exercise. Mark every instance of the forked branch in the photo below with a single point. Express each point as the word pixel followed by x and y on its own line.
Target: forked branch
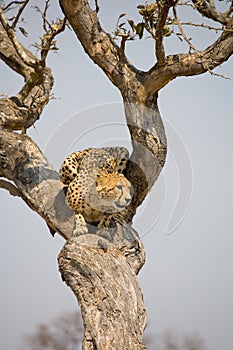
pixel 22 53
pixel 6 185
pixel 208 9
pixel 21 111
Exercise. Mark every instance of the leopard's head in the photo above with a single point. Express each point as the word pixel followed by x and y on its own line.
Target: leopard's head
pixel 114 191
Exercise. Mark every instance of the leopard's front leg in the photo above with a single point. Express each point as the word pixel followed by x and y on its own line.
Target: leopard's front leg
pixel 80 225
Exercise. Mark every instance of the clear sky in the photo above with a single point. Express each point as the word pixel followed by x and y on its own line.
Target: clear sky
pixel 187 280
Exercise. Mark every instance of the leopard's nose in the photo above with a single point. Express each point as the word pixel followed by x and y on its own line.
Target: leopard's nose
pixel 127 200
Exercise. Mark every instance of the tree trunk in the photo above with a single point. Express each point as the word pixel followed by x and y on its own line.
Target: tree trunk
pixel 107 289
pixel 102 274
pixel 149 145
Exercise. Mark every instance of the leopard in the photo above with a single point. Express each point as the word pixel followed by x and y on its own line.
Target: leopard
pixel 96 187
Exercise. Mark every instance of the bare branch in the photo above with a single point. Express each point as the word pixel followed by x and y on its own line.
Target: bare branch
pixel 22 162
pixel 48 39
pixel 19 13
pixel 191 46
pixel 208 9
pixel 205 26
pixel 192 64
pixel 9 6
pixel 219 75
pixel 97 43
pixel 29 61
pixel 44 16
pixel 9 55
pixel 159 48
pixel 97 8
pixel 6 185
pixel 21 111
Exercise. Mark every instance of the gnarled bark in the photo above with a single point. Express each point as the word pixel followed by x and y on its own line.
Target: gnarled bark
pixel 111 300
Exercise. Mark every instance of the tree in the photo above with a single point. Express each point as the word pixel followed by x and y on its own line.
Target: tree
pixel 172 341
pixel 36 182
pixel 65 334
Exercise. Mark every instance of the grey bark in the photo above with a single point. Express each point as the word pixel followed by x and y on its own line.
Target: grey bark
pixel 111 300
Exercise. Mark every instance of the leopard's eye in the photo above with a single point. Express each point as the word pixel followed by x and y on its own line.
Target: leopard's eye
pixel 119 187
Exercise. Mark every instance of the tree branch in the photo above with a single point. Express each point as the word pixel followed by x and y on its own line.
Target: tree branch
pixel 51 31
pixel 29 61
pixel 24 4
pixel 21 111
pixel 97 44
pixel 22 162
pixel 192 64
pixel 10 188
pixel 9 55
pixel 208 9
pixel 159 48
pixel 188 41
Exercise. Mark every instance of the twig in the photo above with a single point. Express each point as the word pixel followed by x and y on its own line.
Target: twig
pixel 19 13
pixel 44 16
pixel 202 25
pixel 8 7
pixel 210 11
pixel 182 31
pixel 219 75
pixel 56 29
pixel 18 47
pixel 10 188
pixel 97 8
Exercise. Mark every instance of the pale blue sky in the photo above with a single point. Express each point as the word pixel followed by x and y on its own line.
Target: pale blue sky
pixel 187 279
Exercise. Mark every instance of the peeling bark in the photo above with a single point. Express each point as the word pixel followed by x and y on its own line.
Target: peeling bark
pixel 111 300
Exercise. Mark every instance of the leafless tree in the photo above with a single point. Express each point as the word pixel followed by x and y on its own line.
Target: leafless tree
pixel 112 308
pixel 173 341
pixel 65 333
